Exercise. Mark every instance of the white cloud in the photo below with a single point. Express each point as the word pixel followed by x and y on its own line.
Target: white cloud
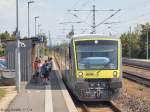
pixel 7 7
pixel 7 12
pixel 7 4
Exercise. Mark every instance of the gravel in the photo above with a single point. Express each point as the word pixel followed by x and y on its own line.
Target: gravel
pixel 132 103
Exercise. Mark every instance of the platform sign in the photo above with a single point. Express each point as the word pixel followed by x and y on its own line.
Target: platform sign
pixel 39 39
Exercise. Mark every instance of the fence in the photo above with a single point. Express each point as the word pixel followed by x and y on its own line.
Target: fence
pixel 26 58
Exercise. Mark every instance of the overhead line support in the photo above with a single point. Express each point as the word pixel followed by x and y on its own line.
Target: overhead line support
pixel 94 17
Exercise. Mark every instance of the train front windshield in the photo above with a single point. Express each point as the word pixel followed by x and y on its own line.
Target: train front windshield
pixel 97 54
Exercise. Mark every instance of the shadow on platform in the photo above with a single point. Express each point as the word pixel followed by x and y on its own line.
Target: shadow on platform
pixel 53 81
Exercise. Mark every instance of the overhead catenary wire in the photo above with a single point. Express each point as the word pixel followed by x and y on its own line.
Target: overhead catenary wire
pixel 93 26
pixel 70 22
pixel 79 18
pixel 88 15
pixel 75 4
pixel 135 20
pixel 143 2
pixel 85 4
pixel 102 22
pixel 84 30
pixel 131 8
pixel 71 10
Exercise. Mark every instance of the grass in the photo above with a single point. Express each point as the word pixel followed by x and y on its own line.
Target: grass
pixel 2 93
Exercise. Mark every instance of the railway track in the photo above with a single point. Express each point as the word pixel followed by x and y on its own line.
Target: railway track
pixel 99 107
pixel 139 67
pixel 138 77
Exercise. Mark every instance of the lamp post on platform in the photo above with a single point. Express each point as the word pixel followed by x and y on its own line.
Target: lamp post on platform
pixel 17 67
pixel 29 17
pixel 39 25
pixel 35 23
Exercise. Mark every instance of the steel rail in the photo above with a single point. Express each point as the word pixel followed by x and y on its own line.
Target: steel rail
pixel 136 66
pixel 137 78
pixel 85 108
pixel 111 105
pixel 115 107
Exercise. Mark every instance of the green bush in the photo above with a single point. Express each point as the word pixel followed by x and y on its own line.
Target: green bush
pixel 2 53
pixel 2 92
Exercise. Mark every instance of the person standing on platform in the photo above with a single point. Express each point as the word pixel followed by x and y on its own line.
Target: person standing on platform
pixel 36 66
pixel 45 72
pixel 39 68
pixel 50 64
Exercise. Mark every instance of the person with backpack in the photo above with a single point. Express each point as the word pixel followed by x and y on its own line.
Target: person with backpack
pixel 45 72
pixel 50 64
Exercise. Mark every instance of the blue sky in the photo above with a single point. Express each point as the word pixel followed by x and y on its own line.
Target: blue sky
pixel 52 12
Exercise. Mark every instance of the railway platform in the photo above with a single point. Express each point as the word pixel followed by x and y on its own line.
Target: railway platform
pixel 52 97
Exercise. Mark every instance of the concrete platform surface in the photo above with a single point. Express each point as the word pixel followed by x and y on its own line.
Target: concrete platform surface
pixel 36 97
pixel 31 99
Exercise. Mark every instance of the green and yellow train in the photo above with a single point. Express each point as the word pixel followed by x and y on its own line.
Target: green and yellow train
pixel 91 66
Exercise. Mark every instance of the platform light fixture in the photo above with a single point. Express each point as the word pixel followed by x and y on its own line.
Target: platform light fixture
pixel 30 2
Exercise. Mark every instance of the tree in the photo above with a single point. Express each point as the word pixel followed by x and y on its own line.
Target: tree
pixel 131 43
pixel 143 40
pixel 3 37
pixel 7 36
pixel 136 42
pixel 125 44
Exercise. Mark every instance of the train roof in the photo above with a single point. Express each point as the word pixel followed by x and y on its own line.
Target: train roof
pixel 93 36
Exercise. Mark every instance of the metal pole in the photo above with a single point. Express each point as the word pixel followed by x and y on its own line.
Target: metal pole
pixel 94 30
pixel 130 47
pixel 29 17
pixel 147 45
pixel 50 42
pixel 35 23
pixel 39 28
pixel 18 71
pixel 17 25
pixel 35 26
pixel 28 20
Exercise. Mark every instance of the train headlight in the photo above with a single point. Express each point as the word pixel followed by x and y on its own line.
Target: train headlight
pixel 80 74
pixel 115 73
pixel 96 41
